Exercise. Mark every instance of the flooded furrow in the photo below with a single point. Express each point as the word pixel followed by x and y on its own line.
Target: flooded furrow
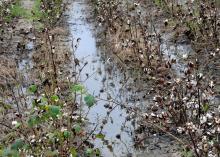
pixel 109 78
pixel 109 84
pixel 103 80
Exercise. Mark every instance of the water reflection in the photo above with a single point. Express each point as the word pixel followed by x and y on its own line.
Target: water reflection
pixel 103 79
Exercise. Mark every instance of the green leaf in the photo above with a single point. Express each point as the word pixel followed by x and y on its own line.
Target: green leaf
pixel 18 144
pixel 66 134
pixel 100 136
pixel 205 107
pixel 26 147
pixel 90 100
pixel 73 152
pixel 55 98
pixel 32 121
pixel 89 152
pixel 77 88
pixel 44 101
pixel 77 128
pixel 17 125
pixel 54 111
pixel 33 88
pixel 9 152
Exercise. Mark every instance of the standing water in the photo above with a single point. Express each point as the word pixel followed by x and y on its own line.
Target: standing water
pixel 110 86
pixel 102 79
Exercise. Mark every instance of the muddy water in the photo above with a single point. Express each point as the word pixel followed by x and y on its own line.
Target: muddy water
pixel 179 52
pixel 104 83
pixel 25 64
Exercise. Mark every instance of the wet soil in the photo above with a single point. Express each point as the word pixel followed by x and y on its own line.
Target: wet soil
pixel 16 49
pixel 26 59
pixel 121 89
pixel 103 77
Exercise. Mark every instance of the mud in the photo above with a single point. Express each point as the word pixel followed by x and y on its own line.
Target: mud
pixel 112 71
pixel 103 77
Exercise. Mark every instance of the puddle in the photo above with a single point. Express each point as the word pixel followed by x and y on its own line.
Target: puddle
pixel 179 52
pixel 25 64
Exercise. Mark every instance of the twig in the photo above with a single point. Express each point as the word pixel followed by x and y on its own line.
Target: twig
pixel 88 136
